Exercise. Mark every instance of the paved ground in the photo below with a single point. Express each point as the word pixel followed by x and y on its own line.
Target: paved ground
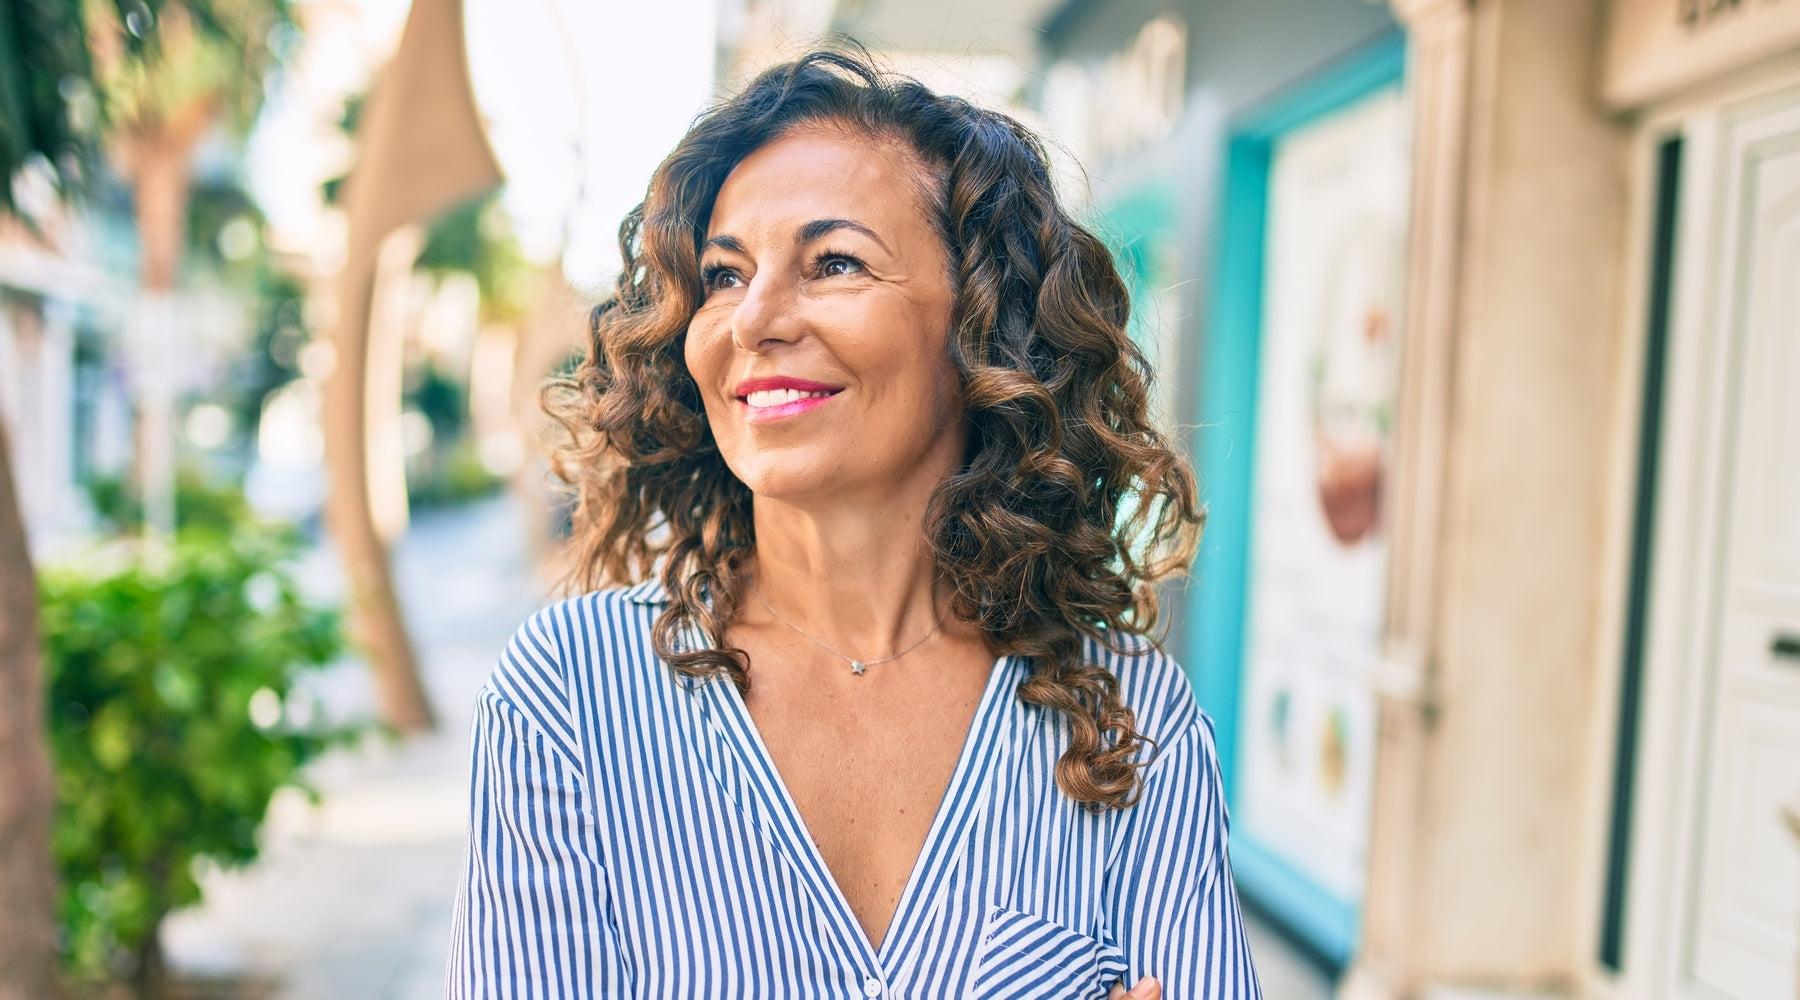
pixel 352 899
pixel 1286 974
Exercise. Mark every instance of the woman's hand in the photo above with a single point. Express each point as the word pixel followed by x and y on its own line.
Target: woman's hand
pixel 1146 989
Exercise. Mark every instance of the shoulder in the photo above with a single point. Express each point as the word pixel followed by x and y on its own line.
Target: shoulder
pixel 1154 685
pixel 571 641
pixel 564 648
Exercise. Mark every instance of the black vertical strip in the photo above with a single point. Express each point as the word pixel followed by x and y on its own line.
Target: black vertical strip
pixel 1631 683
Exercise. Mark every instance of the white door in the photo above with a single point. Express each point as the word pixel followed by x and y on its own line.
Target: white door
pixel 1741 933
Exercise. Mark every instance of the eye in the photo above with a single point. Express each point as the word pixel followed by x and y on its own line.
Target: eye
pixel 827 262
pixel 711 273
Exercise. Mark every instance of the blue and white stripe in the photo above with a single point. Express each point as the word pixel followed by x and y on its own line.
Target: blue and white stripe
pixel 630 837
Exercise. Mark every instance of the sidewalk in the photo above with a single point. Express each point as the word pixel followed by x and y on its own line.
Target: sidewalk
pixel 353 898
pixel 1284 972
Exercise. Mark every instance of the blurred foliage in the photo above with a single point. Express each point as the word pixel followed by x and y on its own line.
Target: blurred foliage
pixel 227 237
pixel 442 399
pixel 199 503
pixel 72 69
pixel 450 471
pixel 175 714
pixel 348 120
pixel 278 333
pixel 206 52
pixel 476 239
pixel 43 43
pixel 456 476
pixel 224 226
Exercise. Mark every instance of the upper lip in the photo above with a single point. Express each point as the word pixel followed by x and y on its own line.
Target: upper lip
pixel 750 385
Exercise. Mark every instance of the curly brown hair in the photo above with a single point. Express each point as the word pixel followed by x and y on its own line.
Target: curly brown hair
pixel 1070 504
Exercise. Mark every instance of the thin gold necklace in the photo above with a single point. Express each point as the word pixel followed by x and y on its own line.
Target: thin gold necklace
pixel 856 666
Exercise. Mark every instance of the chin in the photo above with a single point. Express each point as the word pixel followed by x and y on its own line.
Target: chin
pixel 790 478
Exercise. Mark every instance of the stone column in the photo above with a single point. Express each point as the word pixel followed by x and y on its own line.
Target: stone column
pixel 1481 839
pixel 1437 85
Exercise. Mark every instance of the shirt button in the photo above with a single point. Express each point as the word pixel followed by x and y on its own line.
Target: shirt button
pixel 871 987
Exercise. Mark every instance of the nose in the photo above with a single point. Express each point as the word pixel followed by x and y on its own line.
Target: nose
pixel 765 316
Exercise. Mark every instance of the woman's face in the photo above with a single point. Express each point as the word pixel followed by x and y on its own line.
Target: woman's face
pixel 819 346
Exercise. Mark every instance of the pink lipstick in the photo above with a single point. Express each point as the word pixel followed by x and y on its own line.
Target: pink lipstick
pixel 776 397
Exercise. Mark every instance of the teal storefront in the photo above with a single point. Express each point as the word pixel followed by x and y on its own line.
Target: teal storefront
pixel 1279 172
pixel 1317 707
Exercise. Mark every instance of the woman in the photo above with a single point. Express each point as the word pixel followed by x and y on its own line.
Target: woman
pixel 881 719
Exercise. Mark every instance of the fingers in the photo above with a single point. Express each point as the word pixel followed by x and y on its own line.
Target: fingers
pixel 1146 989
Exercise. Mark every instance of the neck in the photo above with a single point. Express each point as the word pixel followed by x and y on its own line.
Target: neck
pixel 860 580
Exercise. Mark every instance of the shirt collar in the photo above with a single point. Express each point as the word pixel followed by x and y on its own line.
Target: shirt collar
pixel 650 591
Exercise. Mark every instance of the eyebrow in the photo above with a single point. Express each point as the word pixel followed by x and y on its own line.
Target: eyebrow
pixel 804 235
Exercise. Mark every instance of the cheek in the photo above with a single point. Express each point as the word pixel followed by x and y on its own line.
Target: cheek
pixel 704 353
pixel 912 378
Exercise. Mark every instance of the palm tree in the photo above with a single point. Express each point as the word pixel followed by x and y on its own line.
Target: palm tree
pixel 206 70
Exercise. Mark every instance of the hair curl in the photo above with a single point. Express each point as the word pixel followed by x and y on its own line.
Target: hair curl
pixel 1070 504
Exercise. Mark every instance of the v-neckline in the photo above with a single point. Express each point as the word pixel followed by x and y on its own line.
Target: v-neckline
pixel 944 841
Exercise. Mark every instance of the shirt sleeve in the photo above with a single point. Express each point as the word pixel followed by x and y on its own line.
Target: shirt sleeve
pixel 531 909
pixel 1172 904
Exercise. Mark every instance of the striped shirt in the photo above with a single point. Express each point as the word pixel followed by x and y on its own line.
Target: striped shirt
pixel 630 837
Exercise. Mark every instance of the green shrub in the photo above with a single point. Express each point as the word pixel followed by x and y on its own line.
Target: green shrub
pixel 174 718
pixel 199 503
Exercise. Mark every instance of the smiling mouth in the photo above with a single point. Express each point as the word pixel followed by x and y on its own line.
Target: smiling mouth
pixel 774 404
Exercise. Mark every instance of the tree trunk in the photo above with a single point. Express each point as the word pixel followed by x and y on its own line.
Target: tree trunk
pixel 149 977
pixel 377 620
pixel 160 184
pixel 420 149
pixel 27 795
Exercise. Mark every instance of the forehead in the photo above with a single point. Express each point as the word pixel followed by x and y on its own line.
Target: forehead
pixel 820 172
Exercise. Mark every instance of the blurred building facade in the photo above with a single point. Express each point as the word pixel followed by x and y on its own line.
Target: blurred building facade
pixel 73 364
pixel 62 395
pixel 1477 317
pixel 1248 162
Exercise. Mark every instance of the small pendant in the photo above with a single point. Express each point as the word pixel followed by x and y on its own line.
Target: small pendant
pixel 856 667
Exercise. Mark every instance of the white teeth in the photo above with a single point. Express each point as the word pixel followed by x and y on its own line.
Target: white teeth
pixel 776 397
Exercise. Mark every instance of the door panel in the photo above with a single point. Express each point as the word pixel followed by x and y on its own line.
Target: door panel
pixel 1744 918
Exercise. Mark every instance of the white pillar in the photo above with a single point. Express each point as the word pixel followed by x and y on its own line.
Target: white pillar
pixel 154 347
pixel 1481 843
